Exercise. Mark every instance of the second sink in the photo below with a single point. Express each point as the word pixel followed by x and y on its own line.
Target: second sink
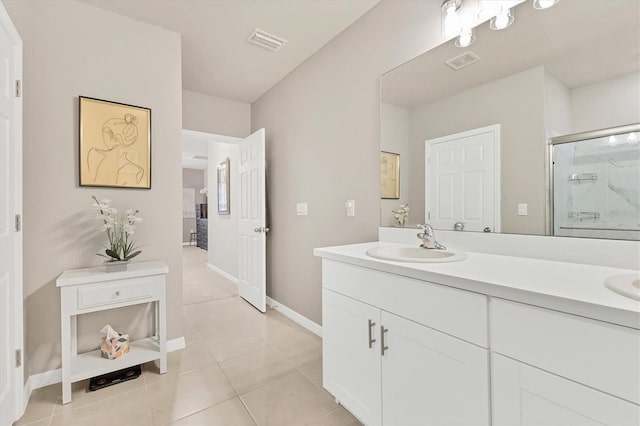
pixel 626 285
pixel 415 254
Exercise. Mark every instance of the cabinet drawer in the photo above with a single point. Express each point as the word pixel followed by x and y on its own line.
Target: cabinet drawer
pixel 597 354
pixel 117 292
pixel 460 313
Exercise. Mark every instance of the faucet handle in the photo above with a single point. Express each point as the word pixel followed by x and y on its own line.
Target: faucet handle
pixel 426 228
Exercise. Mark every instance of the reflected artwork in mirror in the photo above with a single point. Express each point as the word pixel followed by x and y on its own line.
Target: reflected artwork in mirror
pixel 570 69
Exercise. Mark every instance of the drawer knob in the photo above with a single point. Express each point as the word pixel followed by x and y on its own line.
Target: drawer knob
pixel 117 293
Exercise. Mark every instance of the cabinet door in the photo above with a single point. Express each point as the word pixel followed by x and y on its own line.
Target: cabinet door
pixel 351 368
pixel 431 378
pixel 525 395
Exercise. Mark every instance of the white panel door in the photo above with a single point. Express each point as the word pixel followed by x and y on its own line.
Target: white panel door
pixel 525 395
pixel 11 375
pixel 431 378
pixel 462 180
pixel 252 280
pixel 351 355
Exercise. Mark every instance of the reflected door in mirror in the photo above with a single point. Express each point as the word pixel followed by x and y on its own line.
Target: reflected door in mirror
pixel 462 180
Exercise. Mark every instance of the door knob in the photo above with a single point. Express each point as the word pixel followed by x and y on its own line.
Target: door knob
pixel 261 229
pixel 487 229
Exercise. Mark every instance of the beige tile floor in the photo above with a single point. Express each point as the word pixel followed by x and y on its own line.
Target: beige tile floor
pixel 240 367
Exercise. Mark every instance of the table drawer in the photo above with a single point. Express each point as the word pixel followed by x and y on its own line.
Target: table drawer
pixel 116 292
pixel 595 353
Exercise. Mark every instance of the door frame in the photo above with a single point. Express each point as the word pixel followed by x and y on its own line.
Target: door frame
pixel 495 129
pixel 18 382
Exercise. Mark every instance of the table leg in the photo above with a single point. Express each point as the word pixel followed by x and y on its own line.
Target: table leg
pixel 162 335
pixel 66 357
pixel 74 335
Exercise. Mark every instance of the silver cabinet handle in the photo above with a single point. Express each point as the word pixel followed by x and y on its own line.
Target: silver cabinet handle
pixel 383 347
pixel 117 293
pixel 371 339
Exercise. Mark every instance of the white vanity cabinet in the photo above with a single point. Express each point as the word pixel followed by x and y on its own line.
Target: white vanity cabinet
pixel 525 395
pixel 385 362
pixel 351 364
pixel 555 368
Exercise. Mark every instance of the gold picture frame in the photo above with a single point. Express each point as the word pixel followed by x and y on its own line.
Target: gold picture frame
pixel 115 144
pixel 224 188
pixel 389 175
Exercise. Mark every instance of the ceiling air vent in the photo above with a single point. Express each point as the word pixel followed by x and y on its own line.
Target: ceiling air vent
pixel 266 40
pixel 200 157
pixel 461 61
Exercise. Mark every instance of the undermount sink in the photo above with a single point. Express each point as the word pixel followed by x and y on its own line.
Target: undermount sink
pixel 627 285
pixel 415 254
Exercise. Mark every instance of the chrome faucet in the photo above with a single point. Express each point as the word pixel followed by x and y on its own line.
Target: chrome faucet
pixel 428 238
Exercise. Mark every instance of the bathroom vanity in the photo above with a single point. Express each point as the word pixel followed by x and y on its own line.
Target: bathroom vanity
pixel 487 340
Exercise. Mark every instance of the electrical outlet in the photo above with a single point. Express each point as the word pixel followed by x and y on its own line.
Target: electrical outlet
pixel 522 209
pixel 301 209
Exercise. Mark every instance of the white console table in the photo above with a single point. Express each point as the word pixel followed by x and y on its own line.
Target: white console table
pixel 93 289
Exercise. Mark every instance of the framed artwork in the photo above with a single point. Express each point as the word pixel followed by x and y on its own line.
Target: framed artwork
pixel 223 187
pixel 389 175
pixel 115 144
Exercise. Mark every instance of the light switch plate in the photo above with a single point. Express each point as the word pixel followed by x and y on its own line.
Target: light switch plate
pixel 351 207
pixel 522 209
pixel 301 209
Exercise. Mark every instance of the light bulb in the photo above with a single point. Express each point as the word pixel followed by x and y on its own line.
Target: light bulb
pixel 543 4
pixel 612 140
pixel 466 38
pixel 632 138
pixel 452 24
pixel 502 20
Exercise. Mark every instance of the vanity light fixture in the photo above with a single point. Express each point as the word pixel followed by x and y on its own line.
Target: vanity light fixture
pixel 632 138
pixel 466 38
pixel 544 4
pixel 451 22
pixel 613 141
pixel 502 20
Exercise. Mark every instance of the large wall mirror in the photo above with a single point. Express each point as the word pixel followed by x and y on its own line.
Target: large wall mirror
pixel 474 142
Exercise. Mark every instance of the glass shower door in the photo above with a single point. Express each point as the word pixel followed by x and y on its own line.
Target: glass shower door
pixel 596 185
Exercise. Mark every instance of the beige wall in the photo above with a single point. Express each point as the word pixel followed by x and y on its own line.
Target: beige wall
pixel 73 49
pixel 192 178
pixel 610 103
pixel 223 229
pixel 517 104
pixel 322 130
pixel 557 106
pixel 394 137
pixel 211 114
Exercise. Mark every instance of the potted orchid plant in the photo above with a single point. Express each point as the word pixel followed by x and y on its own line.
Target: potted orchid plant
pixel 119 229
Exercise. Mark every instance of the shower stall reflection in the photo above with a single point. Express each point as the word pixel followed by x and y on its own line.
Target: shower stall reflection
pixel 595 184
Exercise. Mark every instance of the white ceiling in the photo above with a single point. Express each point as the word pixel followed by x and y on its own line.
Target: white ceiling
pixel 579 42
pixel 217 61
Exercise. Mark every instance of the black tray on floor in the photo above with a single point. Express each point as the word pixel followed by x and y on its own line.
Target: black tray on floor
pixel 115 377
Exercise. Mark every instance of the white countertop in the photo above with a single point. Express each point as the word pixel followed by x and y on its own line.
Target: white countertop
pixel 567 287
pixel 99 273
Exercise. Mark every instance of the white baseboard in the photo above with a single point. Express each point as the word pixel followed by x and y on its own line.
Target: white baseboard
pixel 296 317
pixel 51 377
pixel 186 243
pixel 176 344
pixel 223 273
